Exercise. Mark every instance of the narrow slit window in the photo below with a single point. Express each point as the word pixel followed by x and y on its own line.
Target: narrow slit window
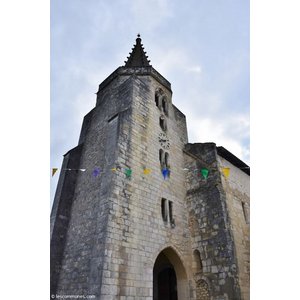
pixel 171 217
pixel 157 99
pixel 163 123
pixel 246 212
pixel 161 158
pixel 165 105
pixel 167 163
pixel 164 212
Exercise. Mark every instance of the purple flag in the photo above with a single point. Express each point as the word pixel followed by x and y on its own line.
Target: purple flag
pixel 96 172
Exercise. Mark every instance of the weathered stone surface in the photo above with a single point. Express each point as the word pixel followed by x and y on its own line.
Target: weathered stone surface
pixel 113 230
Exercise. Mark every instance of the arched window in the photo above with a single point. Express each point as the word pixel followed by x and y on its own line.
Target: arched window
pixel 202 290
pixel 167 163
pixel 163 123
pixel 157 99
pixel 164 210
pixel 197 263
pixel 172 221
pixel 161 158
pixel 165 105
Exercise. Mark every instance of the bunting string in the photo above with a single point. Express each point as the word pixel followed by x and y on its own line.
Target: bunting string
pixel 204 172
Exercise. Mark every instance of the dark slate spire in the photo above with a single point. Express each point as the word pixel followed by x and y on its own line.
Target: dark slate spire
pixel 138 57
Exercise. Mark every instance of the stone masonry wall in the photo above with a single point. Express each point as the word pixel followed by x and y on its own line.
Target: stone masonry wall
pixel 116 231
pixel 136 230
pixel 209 223
pixel 237 191
pixel 83 260
pixel 61 213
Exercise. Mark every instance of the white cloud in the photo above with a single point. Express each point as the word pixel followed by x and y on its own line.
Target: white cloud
pixel 194 69
pixel 174 59
pixel 90 41
pixel 214 129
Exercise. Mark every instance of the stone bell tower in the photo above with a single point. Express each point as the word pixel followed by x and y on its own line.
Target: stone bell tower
pixel 125 231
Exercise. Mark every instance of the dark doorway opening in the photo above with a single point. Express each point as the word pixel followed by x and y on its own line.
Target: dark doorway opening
pixel 164 279
pixel 167 284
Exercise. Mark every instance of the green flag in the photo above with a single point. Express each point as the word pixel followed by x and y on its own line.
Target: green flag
pixel 128 173
pixel 204 172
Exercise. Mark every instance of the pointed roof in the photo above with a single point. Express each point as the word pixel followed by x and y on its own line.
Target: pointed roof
pixel 138 57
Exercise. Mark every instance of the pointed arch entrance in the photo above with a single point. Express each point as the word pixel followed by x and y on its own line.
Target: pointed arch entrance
pixel 169 277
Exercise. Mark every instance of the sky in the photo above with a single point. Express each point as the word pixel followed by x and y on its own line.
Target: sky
pixel 200 46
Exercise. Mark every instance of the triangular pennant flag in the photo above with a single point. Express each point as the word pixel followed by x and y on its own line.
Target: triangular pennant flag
pixel 114 169
pixel 204 172
pixel 96 172
pixel 226 172
pixel 54 171
pixel 83 170
pixel 165 172
pixel 128 173
pixel 146 171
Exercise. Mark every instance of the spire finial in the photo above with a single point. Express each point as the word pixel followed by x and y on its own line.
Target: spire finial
pixel 138 39
pixel 137 58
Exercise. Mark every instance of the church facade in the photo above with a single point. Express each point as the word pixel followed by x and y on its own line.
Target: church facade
pixel 153 216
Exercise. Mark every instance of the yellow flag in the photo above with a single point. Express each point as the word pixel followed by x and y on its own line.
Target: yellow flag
pixel 54 171
pixel 226 172
pixel 114 169
pixel 147 171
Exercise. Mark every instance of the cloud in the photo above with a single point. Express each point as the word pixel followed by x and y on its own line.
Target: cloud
pixel 194 69
pixel 174 59
pixel 151 13
pixel 229 132
pixel 206 65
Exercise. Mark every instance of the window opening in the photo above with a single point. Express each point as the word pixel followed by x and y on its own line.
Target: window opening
pixel 197 261
pixel 165 105
pixel 246 212
pixel 167 212
pixel 157 99
pixel 171 213
pixel 162 123
pixel 161 158
pixel 164 212
pixel 167 160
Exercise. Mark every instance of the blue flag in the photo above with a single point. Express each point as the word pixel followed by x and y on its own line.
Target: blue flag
pixel 165 172
pixel 96 172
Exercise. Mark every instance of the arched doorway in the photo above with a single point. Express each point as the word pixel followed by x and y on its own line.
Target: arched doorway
pixel 169 277
pixel 167 284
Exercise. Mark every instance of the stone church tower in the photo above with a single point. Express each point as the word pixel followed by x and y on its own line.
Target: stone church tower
pixel 145 220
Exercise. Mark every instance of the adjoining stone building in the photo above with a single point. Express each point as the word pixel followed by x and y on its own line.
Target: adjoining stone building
pixel 160 219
